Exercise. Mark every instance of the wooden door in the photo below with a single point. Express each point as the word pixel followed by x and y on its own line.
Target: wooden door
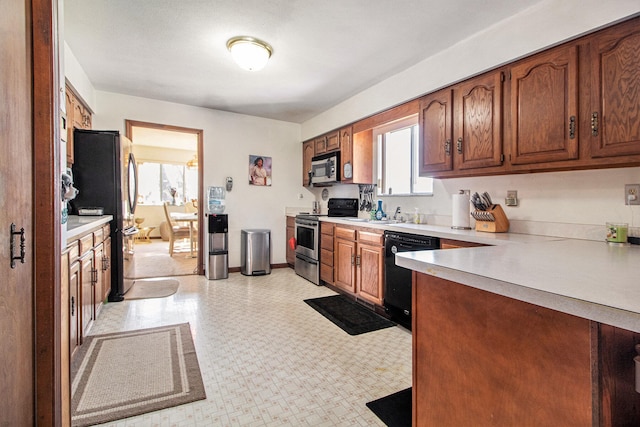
pixel 544 107
pixel 436 147
pixel 320 145
pixel 307 155
pixel 74 307
pixel 98 285
pixel 344 258
pixel 333 141
pixel 291 234
pixel 478 122
pixel 370 273
pixel 16 206
pixel 615 91
pixel 69 110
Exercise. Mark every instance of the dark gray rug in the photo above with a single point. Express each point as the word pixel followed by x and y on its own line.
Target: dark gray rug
pixel 350 316
pixel 393 410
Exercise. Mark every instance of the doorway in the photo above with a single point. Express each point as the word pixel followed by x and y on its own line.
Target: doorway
pixel 170 195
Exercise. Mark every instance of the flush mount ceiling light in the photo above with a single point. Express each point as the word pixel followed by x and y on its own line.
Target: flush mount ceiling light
pixel 249 53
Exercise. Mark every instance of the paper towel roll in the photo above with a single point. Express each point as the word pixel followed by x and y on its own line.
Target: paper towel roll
pixel 461 217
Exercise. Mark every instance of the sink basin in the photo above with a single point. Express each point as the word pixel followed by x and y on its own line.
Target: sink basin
pixel 358 219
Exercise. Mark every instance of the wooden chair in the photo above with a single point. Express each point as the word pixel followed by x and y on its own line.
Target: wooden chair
pixel 175 231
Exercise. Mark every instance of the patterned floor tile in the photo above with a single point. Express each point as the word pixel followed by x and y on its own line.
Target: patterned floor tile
pixel 267 358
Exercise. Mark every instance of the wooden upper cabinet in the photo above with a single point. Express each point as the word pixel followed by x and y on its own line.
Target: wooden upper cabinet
pixel 544 107
pixel 436 132
pixel 307 155
pixel 320 145
pixel 346 155
pixel 478 122
pixel 333 141
pixel 69 113
pixel 615 91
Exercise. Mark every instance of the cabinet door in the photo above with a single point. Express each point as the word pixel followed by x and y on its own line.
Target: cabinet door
pixel 87 273
pixel 74 307
pixel 106 270
pixel 291 253
pixel 344 256
pixel 333 141
pixel 307 155
pixel 615 91
pixel 544 107
pixel 346 155
pixel 320 145
pixel 478 122
pixel 435 149
pixel 98 285
pixel 69 113
pixel 370 274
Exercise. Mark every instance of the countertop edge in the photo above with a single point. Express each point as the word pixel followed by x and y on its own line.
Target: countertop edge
pixel 78 226
pixel 589 310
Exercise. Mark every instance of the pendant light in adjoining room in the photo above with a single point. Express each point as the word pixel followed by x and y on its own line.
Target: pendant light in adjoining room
pixel 249 53
pixel 193 163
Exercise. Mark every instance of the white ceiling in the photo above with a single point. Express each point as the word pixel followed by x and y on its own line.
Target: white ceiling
pixel 324 51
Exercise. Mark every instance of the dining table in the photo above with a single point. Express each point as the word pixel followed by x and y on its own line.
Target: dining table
pixel 191 218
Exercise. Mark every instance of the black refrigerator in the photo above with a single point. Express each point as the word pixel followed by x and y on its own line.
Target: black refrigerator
pixel 104 172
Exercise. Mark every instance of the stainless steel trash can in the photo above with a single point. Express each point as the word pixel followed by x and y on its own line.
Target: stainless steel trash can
pixel 255 255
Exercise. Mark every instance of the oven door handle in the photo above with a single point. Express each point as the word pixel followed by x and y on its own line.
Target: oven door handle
pixel 307 260
pixel 303 222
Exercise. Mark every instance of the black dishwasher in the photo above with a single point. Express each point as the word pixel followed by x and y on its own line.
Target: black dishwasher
pixel 397 280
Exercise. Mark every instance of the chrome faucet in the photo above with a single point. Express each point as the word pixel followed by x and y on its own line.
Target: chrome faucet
pixel 395 215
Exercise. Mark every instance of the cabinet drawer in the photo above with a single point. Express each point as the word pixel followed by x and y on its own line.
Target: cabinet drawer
pixel 326 242
pixel 345 233
pixel 326 257
pixel 98 237
pixel 106 231
pixel 326 228
pixel 326 273
pixel 369 237
pixel 74 251
pixel 86 243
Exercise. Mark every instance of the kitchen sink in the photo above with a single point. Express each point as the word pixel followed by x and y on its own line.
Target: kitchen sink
pixel 358 219
pixel 374 221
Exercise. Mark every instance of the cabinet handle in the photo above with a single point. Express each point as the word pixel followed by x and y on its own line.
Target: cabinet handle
pixel 105 263
pixel 459 145
pixel 572 127
pixel 12 245
pixel 353 259
pixel 594 123
pixel 358 260
pixel 94 276
pixel 73 305
pixel 447 147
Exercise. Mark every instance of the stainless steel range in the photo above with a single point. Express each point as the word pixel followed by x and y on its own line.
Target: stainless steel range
pixel 307 233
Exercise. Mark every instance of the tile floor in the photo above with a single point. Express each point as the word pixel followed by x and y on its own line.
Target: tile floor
pixel 267 358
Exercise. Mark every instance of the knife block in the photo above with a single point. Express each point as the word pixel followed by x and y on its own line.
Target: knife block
pixel 499 224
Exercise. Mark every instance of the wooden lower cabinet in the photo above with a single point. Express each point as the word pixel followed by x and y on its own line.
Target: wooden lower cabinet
pixel 326 252
pixel 483 359
pixel 86 293
pixel 455 244
pixel 359 263
pixel 291 234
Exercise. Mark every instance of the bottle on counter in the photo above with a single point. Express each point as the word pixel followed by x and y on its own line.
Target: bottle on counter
pixel 379 212
pixel 416 217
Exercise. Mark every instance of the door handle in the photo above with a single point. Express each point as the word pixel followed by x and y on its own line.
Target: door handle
pixel 12 246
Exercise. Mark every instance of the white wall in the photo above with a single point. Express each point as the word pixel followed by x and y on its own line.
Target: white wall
pixel 567 204
pixel 229 139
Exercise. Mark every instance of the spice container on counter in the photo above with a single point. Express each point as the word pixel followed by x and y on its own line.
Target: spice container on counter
pixel 617 232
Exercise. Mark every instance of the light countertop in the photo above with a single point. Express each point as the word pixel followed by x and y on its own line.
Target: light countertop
pixel 584 278
pixel 80 225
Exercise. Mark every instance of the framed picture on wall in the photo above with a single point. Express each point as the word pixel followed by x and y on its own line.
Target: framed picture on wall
pixel 260 170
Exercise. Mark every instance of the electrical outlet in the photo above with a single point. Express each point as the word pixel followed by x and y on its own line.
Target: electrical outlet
pixel 512 198
pixel 300 196
pixel 632 194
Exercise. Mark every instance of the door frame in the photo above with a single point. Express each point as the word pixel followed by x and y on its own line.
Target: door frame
pixel 47 223
pixel 130 124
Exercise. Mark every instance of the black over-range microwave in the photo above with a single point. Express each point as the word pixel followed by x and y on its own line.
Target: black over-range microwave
pixel 325 168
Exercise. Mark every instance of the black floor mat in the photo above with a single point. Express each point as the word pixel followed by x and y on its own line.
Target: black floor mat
pixel 394 410
pixel 349 315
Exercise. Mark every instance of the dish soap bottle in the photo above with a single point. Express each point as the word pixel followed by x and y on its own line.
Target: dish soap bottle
pixel 379 213
pixel 416 217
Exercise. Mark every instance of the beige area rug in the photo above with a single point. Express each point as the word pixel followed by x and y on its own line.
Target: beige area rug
pixel 153 260
pixel 159 287
pixel 120 375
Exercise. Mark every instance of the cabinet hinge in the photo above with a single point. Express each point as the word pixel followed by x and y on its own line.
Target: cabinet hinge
pixel 502 76
pixel 501 158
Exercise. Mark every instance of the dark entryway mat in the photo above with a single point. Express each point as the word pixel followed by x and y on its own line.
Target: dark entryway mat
pixel 394 410
pixel 349 315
